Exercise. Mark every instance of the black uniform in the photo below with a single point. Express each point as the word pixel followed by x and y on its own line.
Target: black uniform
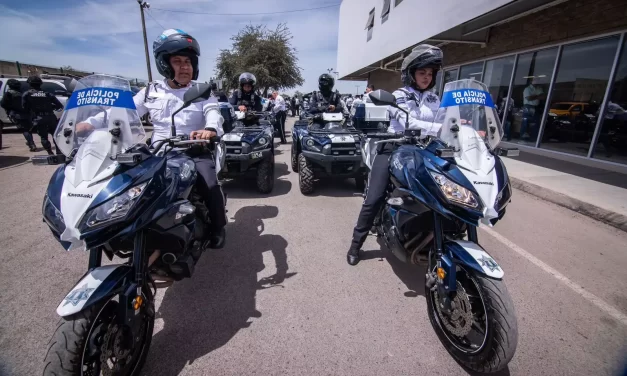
pixel 251 100
pixel 12 104
pixel 41 106
pixel 320 102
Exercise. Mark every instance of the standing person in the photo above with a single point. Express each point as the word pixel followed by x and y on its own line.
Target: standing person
pixel 349 102
pixel 279 110
pixel 369 89
pixel 41 106
pixel 245 98
pixel 531 108
pixel 12 104
pixel 418 73
pixel 176 56
pixel 293 107
pixel 297 106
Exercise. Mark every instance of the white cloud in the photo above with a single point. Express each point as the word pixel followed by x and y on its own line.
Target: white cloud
pixel 107 37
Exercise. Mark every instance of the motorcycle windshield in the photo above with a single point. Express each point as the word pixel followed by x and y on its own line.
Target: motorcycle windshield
pixel 469 121
pixel 100 104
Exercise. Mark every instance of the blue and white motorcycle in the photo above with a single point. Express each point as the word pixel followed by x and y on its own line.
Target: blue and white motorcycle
pixel 440 190
pixel 115 196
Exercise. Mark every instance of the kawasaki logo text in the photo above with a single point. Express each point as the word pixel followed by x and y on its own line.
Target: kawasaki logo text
pixel 81 195
pixel 484 182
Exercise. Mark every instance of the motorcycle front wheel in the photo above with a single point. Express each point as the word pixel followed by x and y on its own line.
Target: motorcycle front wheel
pixel 92 342
pixel 481 331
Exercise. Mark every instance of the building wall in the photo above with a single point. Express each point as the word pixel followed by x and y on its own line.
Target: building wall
pixel 407 24
pixel 386 80
pixel 567 21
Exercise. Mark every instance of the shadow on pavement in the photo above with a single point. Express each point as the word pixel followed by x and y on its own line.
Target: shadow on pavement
pixel 597 174
pixel 203 313
pixel 11 160
pixel 329 187
pixel 246 187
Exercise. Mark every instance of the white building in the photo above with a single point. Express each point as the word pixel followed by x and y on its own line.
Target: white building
pixel 570 49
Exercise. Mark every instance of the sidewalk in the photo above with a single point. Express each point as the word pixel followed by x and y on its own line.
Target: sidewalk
pixel 596 193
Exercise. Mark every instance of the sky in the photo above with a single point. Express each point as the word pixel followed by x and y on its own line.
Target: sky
pixel 106 36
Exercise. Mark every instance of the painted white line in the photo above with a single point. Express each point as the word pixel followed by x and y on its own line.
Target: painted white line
pixel 600 303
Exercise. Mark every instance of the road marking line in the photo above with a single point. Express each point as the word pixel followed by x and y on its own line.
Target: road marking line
pixel 600 303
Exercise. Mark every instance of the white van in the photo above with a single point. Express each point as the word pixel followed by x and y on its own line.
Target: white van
pixel 50 86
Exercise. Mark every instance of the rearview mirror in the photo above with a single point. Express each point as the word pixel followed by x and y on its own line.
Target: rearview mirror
pixel 197 93
pixel 383 98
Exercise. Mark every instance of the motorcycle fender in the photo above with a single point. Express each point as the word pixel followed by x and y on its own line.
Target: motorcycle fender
pixel 99 283
pixel 474 256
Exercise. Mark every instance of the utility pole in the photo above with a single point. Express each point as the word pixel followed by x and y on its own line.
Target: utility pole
pixel 142 5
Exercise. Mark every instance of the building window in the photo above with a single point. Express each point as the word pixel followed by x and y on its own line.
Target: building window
pixel 578 91
pixel 531 82
pixel 498 74
pixel 370 24
pixel 449 76
pixel 474 71
pixel 396 2
pixel 612 140
pixel 386 11
pixel 438 81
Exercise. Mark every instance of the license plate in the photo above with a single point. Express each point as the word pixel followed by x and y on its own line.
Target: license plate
pixel 256 155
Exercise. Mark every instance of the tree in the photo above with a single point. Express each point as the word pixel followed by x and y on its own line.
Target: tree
pixel 268 54
pixel 67 68
pixel 298 94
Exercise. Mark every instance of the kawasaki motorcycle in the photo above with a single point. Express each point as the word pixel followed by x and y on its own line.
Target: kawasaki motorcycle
pixel 114 195
pixel 440 190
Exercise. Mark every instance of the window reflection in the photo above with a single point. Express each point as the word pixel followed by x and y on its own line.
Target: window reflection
pixel 612 141
pixel 531 82
pixel 578 91
pixel 471 71
pixel 438 81
pixel 498 74
pixel 449 76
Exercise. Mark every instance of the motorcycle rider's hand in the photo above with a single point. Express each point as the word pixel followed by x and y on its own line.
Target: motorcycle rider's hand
pixel 202 134
pixel 84 127
pixel 331 107
pixel 242 108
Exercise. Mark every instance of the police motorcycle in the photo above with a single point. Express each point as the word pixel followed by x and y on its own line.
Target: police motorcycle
pixel 249 149
pixel 439 192
pixel 327 148
pixel 113 195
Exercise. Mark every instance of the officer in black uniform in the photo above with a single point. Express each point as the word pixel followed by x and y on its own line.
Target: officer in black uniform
pixel 326 100
pixel 245 98
pixel 12 104
pixel 41 106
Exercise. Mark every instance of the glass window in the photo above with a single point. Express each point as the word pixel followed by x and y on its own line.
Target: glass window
pixel 386 11
pixel 370 25
pixel 581 81
pixel 471 71
pixel 498 74
pixel 438 81
pixel 51 87
pixel 612 142
pixel 449 76
pixel 531 81
pixel 396 2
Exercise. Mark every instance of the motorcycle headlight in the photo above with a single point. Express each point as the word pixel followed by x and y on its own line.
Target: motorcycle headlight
pixel 454 192
pixel 116 208
pixel 53 216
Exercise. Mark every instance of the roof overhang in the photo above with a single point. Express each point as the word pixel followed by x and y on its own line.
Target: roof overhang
pixel 475 31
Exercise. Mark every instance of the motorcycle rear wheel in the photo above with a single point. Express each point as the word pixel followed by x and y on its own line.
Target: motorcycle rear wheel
pixel 492 312
pixel 71 348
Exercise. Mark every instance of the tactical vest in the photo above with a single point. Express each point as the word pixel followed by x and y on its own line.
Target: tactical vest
pixel 245 102
pixel 39 102
pixel 332 99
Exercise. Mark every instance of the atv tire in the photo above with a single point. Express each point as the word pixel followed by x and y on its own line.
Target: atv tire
pixel 265 175
pixel 305 175
pixel 294 160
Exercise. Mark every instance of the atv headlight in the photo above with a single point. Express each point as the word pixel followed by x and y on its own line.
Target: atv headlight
pixel 455 193
pixel 53 216
pixel 116 208
pixel 262 143
pixel 262 140
pixel 326 149
pixel 311 145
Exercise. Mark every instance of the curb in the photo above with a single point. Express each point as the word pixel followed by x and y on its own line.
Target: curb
pixel 603 215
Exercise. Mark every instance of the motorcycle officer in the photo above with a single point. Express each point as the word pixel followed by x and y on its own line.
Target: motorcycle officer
pixel 176 56
pixel 418 73
pixel 41 106
pixel 12 104
pixel 326 100
pixel 245 98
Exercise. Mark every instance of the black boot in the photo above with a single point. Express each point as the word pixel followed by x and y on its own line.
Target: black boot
pixel 352 257
pixel 217 239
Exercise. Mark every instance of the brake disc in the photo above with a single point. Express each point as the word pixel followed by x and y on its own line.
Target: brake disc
pixel 459 322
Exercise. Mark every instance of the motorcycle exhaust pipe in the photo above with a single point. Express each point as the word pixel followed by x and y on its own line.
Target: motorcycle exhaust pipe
pixel 169 258
pixel 414 255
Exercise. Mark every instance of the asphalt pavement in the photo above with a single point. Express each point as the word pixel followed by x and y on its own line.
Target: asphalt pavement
pixel 280 299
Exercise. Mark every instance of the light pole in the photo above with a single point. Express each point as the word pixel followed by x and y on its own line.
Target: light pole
pixel 142 5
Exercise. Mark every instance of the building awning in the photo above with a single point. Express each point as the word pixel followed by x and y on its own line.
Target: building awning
pixel 386 8
pixel 370 22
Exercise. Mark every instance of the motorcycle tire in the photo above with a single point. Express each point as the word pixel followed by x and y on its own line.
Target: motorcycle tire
pixel 305 175
pixel 68 345
pixel 265 175
pixel 501 338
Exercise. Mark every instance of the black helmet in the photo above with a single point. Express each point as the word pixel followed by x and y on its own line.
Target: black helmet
pixel 175 42
pixel 247 78
pixel 326 82
pixel 34 81
pixel 14 84
pixel 422 56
